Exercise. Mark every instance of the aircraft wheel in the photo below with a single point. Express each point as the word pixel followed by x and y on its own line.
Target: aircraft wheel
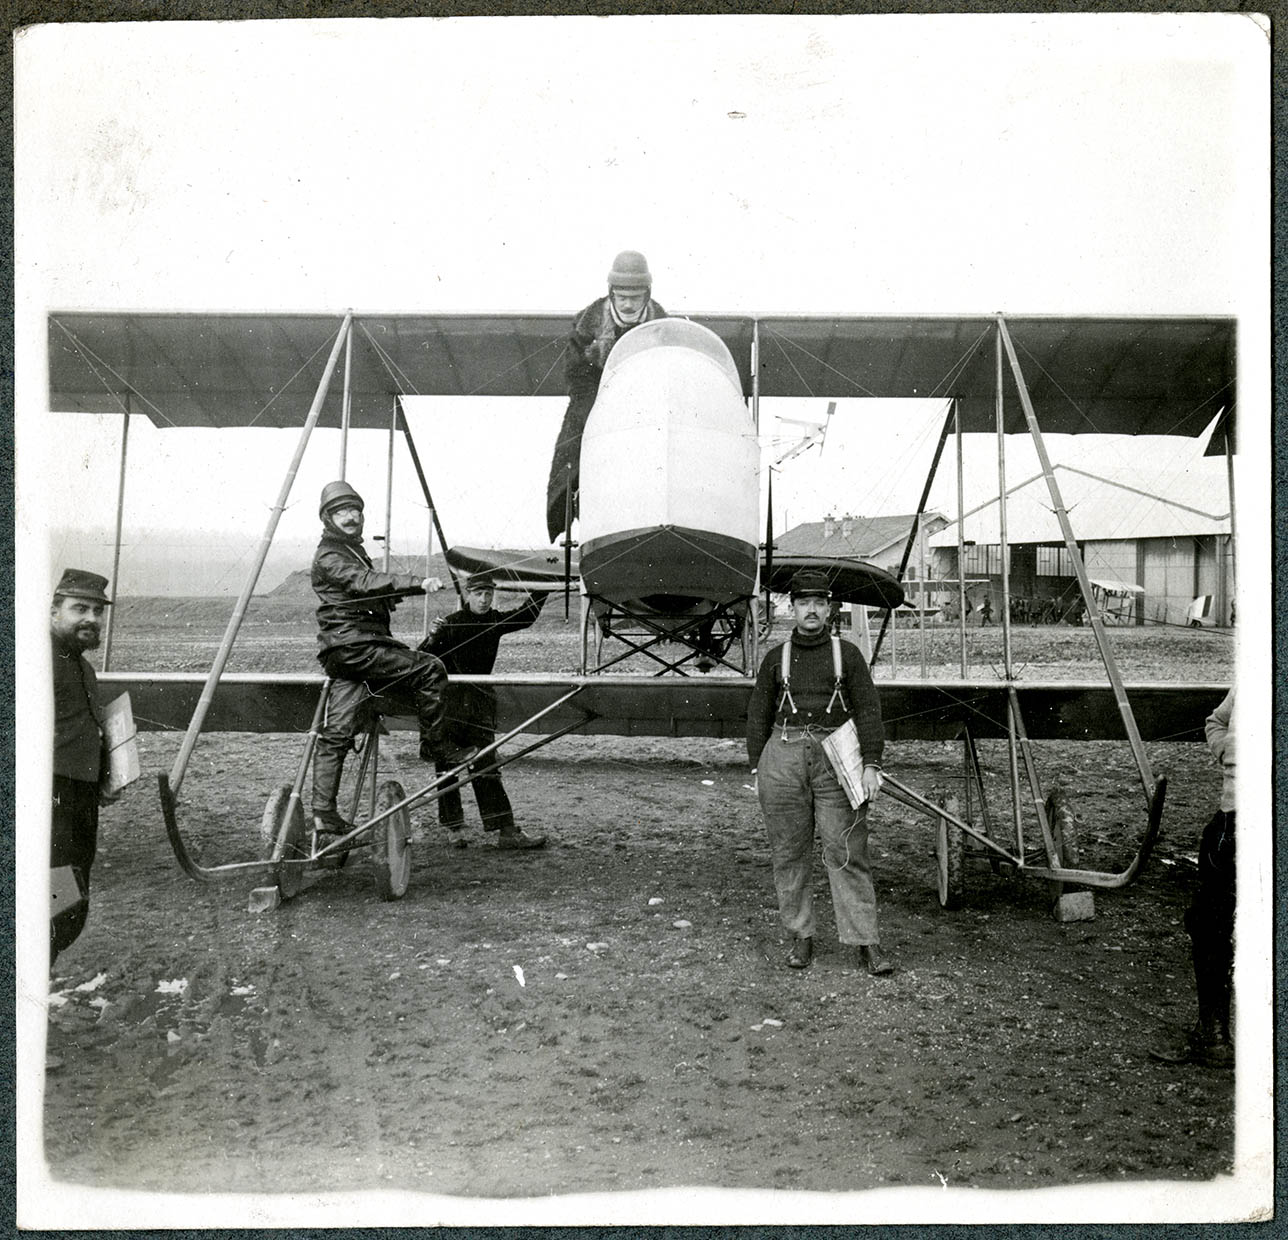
pixel 950 857
pixel 1064 829
pixel 390 848
pixel 284 819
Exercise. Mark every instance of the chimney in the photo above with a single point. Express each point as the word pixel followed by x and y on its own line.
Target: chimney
pixel 847 525
pixel 829 525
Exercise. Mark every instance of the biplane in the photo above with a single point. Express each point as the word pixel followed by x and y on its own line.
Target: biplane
pixel 668 538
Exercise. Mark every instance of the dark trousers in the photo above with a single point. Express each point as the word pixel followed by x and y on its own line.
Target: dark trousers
pixel 489 791
pixel 567 454
pixel 1210 923
pixel 392 679
pixel 73 842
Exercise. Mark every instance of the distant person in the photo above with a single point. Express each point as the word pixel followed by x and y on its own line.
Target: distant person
pixel 798 789
pixel 357 650
pixel 80 751
pixel 467 641
pixel 986 612
pixel 595 330
pixel 1210 916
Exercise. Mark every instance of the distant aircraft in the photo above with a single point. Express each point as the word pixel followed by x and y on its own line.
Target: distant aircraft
pixel 676 428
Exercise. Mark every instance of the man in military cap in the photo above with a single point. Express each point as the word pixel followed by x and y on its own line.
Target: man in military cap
pixel 80 752
pixel 595 330
pixel 467 641
pixel 358 651
pixel 807 688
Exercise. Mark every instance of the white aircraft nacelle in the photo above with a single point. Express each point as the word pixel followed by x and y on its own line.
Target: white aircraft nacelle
pixel 670 474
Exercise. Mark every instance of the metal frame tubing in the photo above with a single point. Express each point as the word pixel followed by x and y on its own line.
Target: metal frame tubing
pixel 302 769
pixel 1080 571
pixel 961 536
pixel 389 482
pixel 1012 723
pixel 346 406
pixel 429 499
pixel 900 792
pixel 1232 576
pixel 462 773
pixel 921 508
pixel 116 545
pixel 261 553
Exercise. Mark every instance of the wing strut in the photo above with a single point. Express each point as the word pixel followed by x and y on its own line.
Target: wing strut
pixel 252 578
pixel 429 499
pixel 116 542
pixel 912 530
pixel 1080 571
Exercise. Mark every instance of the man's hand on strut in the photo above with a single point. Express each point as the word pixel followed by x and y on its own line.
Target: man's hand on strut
pixel 871 781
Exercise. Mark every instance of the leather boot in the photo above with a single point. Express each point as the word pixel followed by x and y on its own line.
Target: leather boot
pixel 328 766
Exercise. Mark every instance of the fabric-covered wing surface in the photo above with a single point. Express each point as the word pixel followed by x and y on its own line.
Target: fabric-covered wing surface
pixel 1126 375
pixel 263 369
pixel 1132 376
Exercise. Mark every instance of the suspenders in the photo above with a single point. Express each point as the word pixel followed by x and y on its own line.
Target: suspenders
pixel 838 682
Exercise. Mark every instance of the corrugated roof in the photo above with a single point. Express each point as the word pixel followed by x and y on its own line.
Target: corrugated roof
pixel 1141 505
pixel 866 536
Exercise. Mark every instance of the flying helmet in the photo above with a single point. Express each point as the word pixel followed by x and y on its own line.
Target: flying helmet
pixel 630 270
pixel 338 495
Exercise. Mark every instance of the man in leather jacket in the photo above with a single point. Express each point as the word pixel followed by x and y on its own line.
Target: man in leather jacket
pixel 594 332
pixel 358 651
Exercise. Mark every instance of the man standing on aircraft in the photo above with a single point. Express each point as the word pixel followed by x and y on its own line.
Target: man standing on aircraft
pixel 80 752
pixel 467 641
pixel 1210 917
pixel 357 650
pixel 595 330
pixel 806 689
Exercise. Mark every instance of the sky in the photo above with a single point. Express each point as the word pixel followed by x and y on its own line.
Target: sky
pixel 880 164
pixel 894 164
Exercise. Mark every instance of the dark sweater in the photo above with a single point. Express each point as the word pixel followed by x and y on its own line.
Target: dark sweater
pixel 467 643
pixel 812 679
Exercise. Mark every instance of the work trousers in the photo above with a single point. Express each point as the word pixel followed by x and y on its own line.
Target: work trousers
pixel 1210 923
pixel 391 679
pixel 73 842
pixel 799 794
pixel 489 791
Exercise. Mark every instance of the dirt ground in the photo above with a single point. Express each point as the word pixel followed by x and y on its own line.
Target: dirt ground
pixel 612 1012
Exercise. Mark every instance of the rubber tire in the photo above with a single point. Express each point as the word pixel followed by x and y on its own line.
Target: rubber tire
pixel 289 871
pixel 390 849
pixel 1064 829
pixel 950 856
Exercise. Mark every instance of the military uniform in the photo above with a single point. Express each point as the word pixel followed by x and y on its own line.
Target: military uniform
pixel 80 765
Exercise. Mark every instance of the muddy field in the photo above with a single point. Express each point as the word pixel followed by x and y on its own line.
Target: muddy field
pixel 612 1013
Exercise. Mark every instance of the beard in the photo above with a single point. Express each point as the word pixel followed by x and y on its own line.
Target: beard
pixel 86 636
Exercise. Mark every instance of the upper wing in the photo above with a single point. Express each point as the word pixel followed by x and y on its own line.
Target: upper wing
pixel 262 369
pixel 1126 375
